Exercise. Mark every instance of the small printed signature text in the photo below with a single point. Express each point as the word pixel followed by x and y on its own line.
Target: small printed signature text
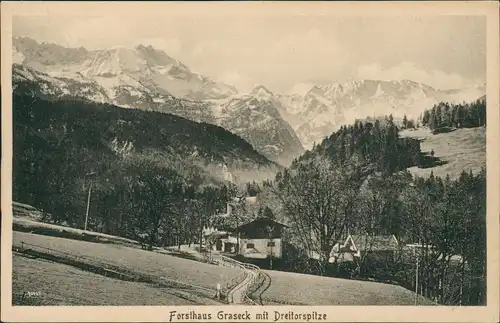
pixel 32 294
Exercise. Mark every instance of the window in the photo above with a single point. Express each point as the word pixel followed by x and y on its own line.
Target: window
pixel 271 244
pixel 250 246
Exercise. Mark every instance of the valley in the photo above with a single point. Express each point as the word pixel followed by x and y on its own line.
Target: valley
pixel 126 154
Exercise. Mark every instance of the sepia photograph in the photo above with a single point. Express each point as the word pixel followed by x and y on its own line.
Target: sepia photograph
pixel 252 154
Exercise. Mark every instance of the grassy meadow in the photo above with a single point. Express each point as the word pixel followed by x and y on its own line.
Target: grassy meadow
pixel 300 289
pixel 58 284
pixel 135 260
pixel 462 149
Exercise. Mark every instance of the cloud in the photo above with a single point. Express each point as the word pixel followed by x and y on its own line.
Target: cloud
pixel 307 43
pixel 409 70
pixel 93 31
pixel 202 48
pixel 300 88
pixel 241 82
pixel 282 50
pixel 309 55
pixel 276 62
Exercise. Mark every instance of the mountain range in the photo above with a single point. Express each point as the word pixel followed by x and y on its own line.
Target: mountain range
pixel 324 108
pixel 279 126
pixel 148 79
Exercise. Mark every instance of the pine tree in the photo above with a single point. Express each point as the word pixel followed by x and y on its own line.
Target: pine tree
pixel 447 117
pixel 439 116
pixel 454 116
pixel 432 119
pixel 461 116
pixel 426 118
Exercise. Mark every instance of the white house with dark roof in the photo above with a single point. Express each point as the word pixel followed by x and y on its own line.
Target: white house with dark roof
pixel 261 238
pixel 357 246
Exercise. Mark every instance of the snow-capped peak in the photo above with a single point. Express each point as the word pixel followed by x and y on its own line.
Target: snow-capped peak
pixel 379 91
pixel 261 92
pixel 17 57
pixel 142 64
pixel 156 57
pixel 300 89
pixel 114 61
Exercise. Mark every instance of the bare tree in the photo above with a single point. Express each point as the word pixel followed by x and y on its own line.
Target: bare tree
pixel 156 197
pixel 319 199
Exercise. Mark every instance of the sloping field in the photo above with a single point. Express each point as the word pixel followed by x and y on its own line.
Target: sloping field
pixel 136 260
pixel 27 224
pixel 462 149
pixel 58 284
pixel 300 289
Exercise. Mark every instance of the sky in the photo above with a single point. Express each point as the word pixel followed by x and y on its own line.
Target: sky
pixel 288 52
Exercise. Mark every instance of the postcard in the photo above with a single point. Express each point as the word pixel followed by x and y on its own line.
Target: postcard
pixel 250 161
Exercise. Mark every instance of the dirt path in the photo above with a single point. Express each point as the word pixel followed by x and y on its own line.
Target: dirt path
pixel 237 294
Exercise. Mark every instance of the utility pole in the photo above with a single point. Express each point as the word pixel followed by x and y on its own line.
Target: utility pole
pixel 270 231
pixel 89 175
pixel 271 257
pixel 88 206
pixel 416 283
pixel 238 247
pixel 416 273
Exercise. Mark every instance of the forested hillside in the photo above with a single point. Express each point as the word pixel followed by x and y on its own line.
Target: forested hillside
pixel 141 165
pixel 356 182
pixel 376 145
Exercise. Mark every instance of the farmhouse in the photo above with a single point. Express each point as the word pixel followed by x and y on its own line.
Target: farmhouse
pixel 258 239
pixel 261 238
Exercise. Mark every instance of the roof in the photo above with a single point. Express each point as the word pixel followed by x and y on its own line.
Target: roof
pixel 373 242
pixel 216 233
pixel 262 221
pixel 231 239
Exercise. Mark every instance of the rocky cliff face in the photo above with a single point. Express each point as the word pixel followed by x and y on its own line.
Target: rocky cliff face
pixel 267 131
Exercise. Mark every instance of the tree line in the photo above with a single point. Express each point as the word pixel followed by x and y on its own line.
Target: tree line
pixel 464 115
pixel 142 200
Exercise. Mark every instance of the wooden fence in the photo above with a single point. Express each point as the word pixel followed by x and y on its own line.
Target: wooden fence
pixel 246 267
